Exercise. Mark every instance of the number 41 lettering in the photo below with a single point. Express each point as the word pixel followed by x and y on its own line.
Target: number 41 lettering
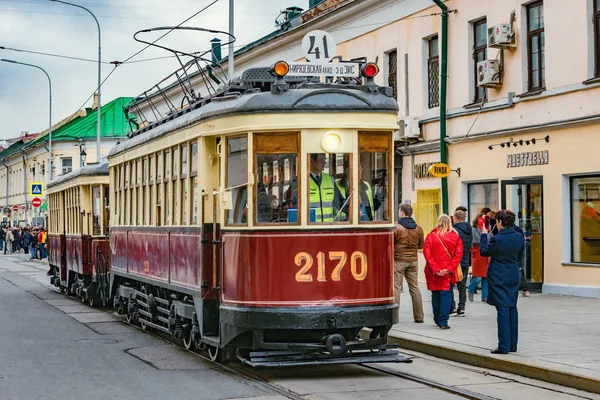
pixel 305 262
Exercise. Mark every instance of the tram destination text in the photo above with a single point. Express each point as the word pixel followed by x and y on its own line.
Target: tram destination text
pixel 349 70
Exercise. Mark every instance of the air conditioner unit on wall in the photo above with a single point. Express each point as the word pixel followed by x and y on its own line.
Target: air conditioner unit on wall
pixel 409 128
pixel 489 74
pixel 501 36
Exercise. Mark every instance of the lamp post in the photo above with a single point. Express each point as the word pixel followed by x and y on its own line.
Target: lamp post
pixel 82 155
pixel 49 112
pixel 99 72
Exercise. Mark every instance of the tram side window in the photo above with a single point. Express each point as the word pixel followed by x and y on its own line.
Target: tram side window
pixel 237 176
pixel 106 205
pixel 276 172
pixel 97 210
pixel 330 188
pixel 373 175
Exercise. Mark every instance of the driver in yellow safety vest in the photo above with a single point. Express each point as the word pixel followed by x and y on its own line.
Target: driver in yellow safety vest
pixel 367 204
pixel 325 196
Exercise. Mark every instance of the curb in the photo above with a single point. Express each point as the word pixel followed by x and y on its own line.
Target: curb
pixel 562 378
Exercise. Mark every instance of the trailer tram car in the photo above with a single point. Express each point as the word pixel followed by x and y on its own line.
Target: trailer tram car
pixel 221 236
pixel 78 233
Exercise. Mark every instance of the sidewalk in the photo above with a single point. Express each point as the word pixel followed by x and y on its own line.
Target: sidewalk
pixel 559 338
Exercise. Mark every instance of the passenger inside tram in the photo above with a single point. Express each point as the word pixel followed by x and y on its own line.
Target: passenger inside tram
pixel 327 203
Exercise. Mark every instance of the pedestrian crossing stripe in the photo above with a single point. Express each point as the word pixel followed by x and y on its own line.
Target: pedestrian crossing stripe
pixel 36 189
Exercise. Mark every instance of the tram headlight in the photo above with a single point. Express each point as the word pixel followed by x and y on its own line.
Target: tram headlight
pixel 331 141
pixel 369 70
pixel 280 69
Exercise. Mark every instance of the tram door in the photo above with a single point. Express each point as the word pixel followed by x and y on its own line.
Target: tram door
pixel 525 199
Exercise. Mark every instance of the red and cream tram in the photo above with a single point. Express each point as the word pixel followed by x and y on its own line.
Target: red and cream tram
pixel 78 232
pixel 259 222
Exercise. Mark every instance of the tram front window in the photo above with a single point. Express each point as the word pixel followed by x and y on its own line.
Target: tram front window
pixel 277 188
pixel 374 192
pixel 330 188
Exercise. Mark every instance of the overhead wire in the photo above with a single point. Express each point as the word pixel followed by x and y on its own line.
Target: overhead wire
pixel 143 49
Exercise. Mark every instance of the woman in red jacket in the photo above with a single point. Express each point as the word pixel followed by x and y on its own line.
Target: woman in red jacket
pixel 443 251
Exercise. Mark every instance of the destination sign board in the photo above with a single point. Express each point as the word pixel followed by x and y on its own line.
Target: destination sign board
pixel 343 69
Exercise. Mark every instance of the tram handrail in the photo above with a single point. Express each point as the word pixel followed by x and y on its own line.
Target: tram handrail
pixel 343 205
pixel 230 187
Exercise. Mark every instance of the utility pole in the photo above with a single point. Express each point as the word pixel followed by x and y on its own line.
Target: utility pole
pixel 230 56
pixel 443 85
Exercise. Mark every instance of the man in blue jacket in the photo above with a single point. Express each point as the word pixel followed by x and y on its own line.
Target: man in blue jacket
pixel 465 232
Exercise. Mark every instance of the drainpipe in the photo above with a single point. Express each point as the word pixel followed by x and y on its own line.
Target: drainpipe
pixel 443 81
pixel 6 166
pixel 24 182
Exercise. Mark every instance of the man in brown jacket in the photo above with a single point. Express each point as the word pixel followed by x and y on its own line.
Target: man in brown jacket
pixel 408 239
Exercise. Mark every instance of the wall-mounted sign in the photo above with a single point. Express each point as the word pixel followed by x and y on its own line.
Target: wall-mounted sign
pixel 527 159
pixel 422 170
pixel 439 170
pixel 36 189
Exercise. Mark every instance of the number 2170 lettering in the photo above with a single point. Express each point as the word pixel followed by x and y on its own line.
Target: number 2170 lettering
pixel 358 266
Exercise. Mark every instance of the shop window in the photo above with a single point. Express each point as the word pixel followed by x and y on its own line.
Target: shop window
pixel 236 178
pixel 535 46
pixel 66 165
pixel 276 171
pixel 433 72
pixel 427 209
pixel 585 219
pixel 330 188
pixel 482 195
pixel 479 54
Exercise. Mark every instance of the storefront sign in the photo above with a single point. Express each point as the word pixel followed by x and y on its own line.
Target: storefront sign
pixel 527 159
pixel 422 170
pixel 440 170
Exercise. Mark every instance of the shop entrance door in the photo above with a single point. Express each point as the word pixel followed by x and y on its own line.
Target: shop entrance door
pixel 525 199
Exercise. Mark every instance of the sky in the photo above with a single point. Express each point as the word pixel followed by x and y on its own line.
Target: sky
pixel 48 27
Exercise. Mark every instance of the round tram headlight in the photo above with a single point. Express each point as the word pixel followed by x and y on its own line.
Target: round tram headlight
pixel 280 69
pixel 369 70
pixel 331 141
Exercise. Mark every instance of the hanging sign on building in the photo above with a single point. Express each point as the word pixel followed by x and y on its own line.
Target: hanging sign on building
pixel 527 159
pixel 439 170
pixel 422 170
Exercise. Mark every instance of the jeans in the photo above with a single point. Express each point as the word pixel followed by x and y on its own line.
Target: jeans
pixel 462 290
pixel 2 244
pixel 410 271
pixel 484 286
pixel 33 252
pixel 43 253
pixel 508 328
pixel 441 300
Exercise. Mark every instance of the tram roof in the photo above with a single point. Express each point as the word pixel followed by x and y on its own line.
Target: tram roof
pixel 97 169
pixel 302 98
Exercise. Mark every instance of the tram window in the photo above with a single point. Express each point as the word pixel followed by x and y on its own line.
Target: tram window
pixel 152 169
pixel 184 208
pixel 106 225
pixel 126 175
pixel 184 160
pixel 168 203
pixel 330 188
pixel 138 171
pixel 159 188
pixel 145 171
pixel 374 170
pixel 195 201
pixel 97 210
pixel 167 165
pixel 276 177
pixel 175 163
pixel 194 158
pixel 237 175
pixel 159 167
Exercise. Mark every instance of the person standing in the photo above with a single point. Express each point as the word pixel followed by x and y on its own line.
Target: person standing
pixel 442 251
pixel 26 241
pixel 324 194
pixel 408 239
pixel 9 241
pixel 33 245
pixel 504 249
pixel 466 236
pixel 479 265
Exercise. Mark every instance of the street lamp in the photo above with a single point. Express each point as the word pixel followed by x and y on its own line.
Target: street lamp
pixel 49 113
pixel 99 72
pixel 82 155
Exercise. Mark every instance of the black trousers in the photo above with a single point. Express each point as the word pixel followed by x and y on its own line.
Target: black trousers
pixel 462 291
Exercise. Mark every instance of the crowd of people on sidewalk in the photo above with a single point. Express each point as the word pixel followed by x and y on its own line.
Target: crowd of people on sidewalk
pixel 490 249
pixel 32 240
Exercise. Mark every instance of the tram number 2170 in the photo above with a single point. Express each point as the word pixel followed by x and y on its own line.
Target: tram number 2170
pixel 358 266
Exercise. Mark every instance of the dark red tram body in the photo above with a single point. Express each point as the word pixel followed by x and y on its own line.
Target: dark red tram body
pixel 211 269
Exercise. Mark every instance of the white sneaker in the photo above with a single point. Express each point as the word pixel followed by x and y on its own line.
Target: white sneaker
pixel 526 293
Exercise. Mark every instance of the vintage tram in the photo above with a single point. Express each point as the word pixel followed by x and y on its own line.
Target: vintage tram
pixel 78 232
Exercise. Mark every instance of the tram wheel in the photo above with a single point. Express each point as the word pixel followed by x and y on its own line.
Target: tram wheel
pixel 213 353
pixel 188 341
